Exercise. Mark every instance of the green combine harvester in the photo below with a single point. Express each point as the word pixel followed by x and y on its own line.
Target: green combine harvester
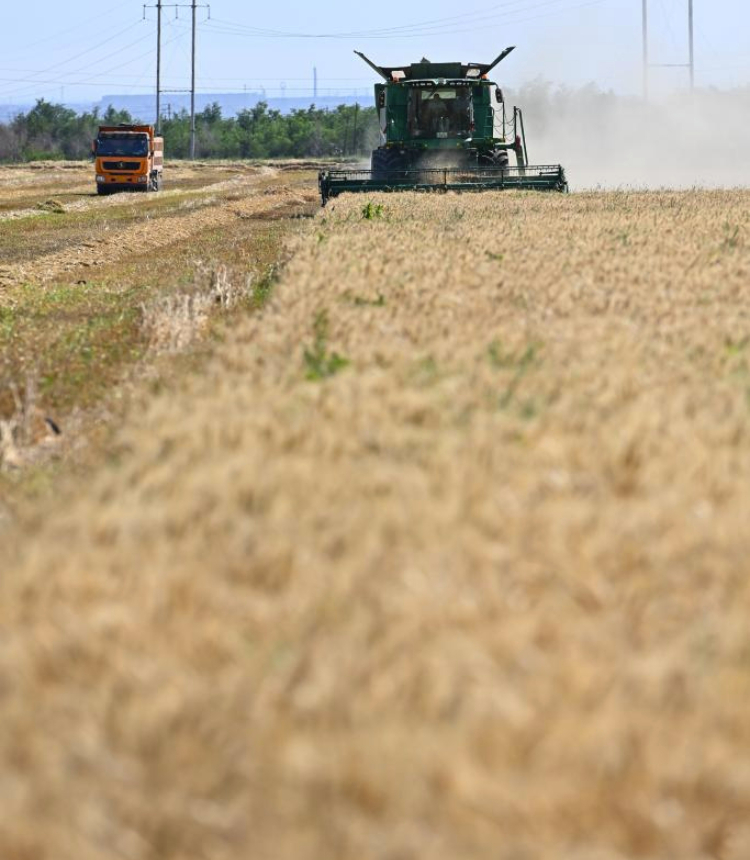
pixel 444 127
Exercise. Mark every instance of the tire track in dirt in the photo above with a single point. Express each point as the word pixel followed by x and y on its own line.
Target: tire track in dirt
pixel 154 233
pixel 93 201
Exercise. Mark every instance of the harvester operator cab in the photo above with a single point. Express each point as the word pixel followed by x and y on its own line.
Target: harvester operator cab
pixel 439 112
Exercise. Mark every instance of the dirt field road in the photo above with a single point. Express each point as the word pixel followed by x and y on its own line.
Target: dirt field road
pixel 114 241
pixel 24 188
pixel 80 274
pixel 444 555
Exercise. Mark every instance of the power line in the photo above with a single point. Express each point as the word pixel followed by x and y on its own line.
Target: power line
pixel 509 12
pixel 193 6
pixel 222 27
pixel 75 28
pixel 648 65
pixel 667 23
pixel 168 87
pixel 243 79
pixel 89 51
pixel 95 78
pixel 372 31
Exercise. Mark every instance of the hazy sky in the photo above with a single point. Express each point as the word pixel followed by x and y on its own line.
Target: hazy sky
pixel 82 50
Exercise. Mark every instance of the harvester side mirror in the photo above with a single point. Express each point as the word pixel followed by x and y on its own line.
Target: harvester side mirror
pixel 499 94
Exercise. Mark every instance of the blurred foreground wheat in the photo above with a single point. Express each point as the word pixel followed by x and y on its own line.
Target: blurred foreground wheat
pixel 445 557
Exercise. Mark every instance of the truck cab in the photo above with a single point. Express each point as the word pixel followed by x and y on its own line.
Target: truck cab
pixel 128 158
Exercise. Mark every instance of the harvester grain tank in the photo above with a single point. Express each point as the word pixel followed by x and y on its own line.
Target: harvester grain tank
pixel 445 127
pixel 128 158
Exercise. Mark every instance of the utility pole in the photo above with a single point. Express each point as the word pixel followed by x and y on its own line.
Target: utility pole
pixel 690 65
pixel 158 66
pixel 192 89
pixel 645 50
pixel 193 6
pixel 315 83
pixel 354 133
pixel 691 37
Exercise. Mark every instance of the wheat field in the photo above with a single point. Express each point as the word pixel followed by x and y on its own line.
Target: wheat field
pixel 445 555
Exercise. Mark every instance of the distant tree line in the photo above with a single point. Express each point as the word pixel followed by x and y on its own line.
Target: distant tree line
pixel 53 131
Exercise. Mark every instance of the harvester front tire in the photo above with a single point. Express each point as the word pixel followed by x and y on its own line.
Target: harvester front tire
pixel 385 163
pixel 494 158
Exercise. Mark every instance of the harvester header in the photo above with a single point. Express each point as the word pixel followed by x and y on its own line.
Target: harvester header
pixel 444 126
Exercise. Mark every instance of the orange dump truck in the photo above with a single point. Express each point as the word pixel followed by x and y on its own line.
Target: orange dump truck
pixel 128 158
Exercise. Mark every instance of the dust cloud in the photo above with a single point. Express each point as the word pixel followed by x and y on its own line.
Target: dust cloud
pixel 610 141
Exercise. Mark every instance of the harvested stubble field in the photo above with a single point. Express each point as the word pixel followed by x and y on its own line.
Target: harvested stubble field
pixel 443 555
pixel 91 288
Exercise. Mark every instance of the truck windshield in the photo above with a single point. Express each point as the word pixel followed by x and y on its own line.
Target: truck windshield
pixel 122 145
pixel 440 111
